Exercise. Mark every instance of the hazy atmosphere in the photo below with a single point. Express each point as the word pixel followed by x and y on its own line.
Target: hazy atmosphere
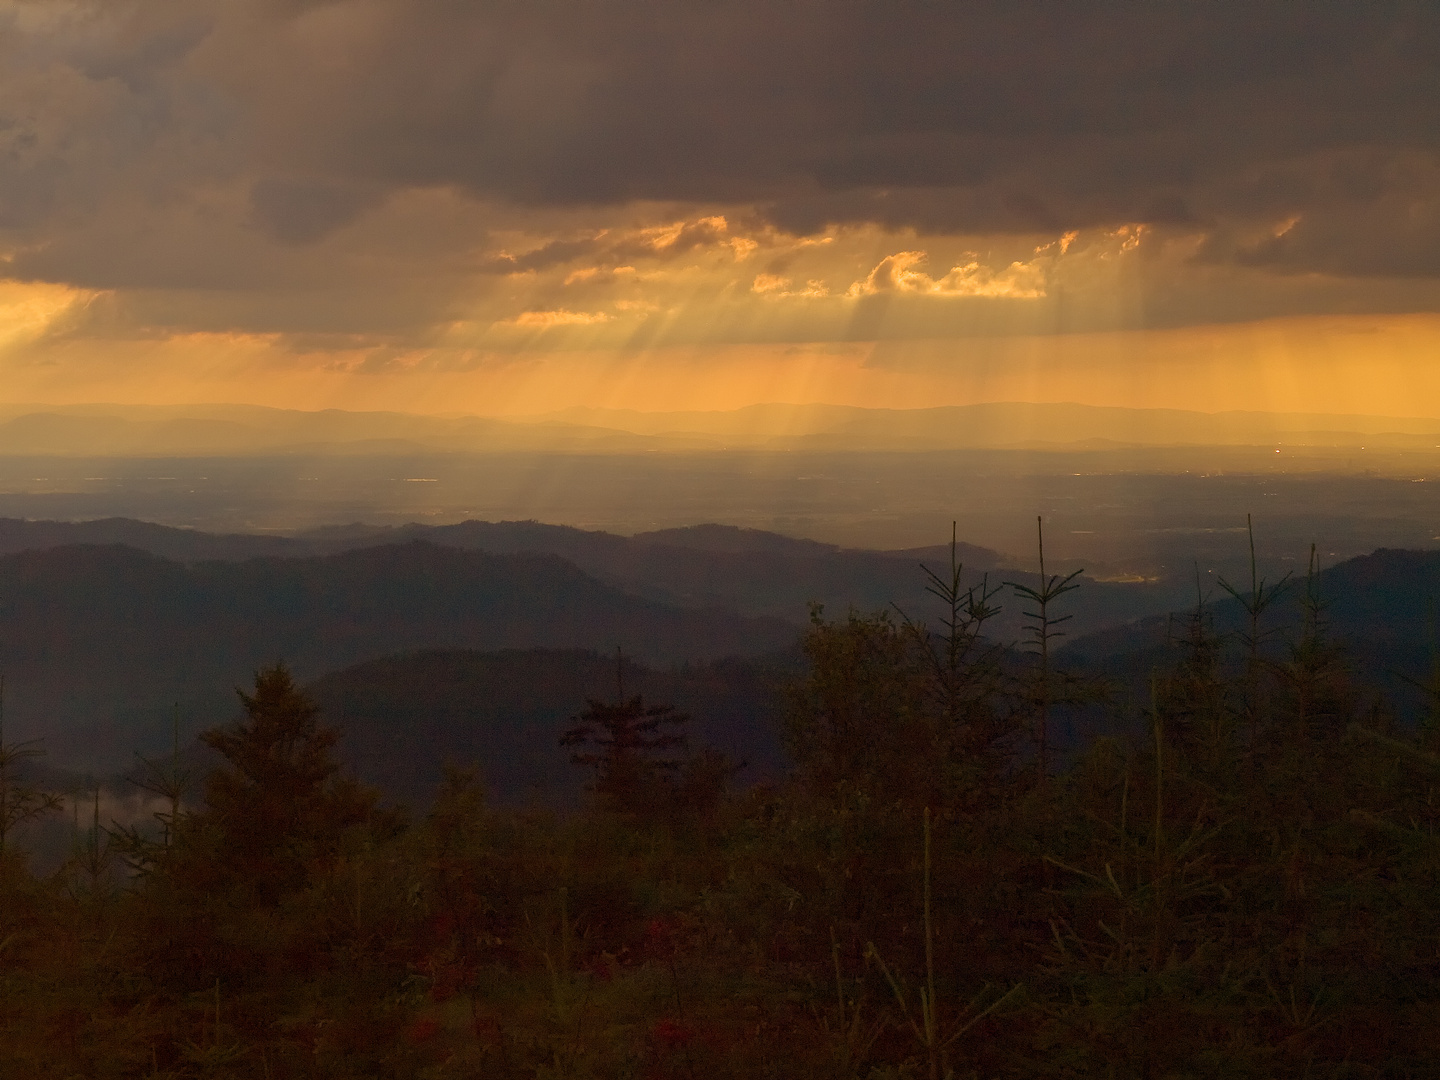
pixel 614 539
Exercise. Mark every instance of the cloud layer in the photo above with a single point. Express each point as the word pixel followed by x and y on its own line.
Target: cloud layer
pixel 412 175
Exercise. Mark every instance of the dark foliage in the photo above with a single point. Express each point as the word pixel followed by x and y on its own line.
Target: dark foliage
pixel 1241 880
pixel 628 745
pixel 276 809
pixel 403 717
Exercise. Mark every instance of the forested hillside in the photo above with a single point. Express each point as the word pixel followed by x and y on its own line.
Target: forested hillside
pixel 1382 610
pixel 1239 882
pixel 750 571
pixel 97 643
pixel 403 718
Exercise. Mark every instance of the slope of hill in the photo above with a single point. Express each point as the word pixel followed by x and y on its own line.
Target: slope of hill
pixel 402 718
pixel 97 642
pixel 750 571
pixel 1381 608
pixel 182 545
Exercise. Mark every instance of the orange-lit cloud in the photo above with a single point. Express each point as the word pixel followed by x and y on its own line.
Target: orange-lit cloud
pixel 616 315
pixel 1018 281
pixel 547 319
pixel 31 311
pixel 498 208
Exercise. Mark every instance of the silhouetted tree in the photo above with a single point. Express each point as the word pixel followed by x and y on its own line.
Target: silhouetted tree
pixel 168 780
pixel 631 741
pixel 1254 636
pixel 1044 632
pixel 964 666
pixel 277 806
pixel 19 802
pixel 1316 695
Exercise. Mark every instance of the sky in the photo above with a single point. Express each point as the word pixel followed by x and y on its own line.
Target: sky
pixel 458 206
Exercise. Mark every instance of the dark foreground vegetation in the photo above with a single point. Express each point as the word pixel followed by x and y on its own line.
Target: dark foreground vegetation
pixel 1244 883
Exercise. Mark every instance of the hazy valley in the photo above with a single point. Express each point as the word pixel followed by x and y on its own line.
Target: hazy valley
pixel 332 539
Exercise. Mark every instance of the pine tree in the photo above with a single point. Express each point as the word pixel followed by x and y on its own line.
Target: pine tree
pixel 169 781
pixel 630 740
pixel 1045 690
pixel 277 808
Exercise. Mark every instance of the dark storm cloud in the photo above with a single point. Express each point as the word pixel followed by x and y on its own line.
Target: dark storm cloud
pixel 942 116
pixel 297 212
pixel 1228 118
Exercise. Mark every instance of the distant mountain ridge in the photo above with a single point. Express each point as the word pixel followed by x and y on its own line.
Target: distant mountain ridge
pixel 752 571
pixel 1008 424
pixel 748 571
pixel 221 430
pixel 167 541
pixel 218 430
pixel 97 643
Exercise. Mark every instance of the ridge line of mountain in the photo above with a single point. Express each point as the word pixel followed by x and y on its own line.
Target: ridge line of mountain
pixel 239 430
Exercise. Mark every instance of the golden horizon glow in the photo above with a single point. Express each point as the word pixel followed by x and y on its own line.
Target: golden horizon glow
pixel 1371 365
pixel 657 313
pixel 458 209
